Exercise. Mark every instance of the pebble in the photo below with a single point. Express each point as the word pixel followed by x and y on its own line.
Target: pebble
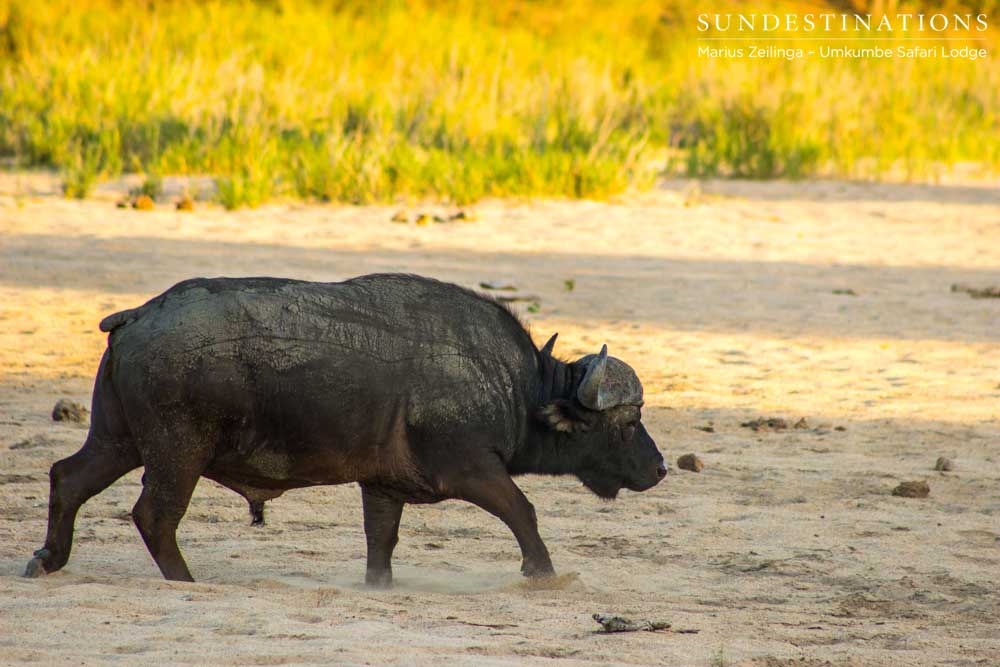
pixel 943 464
pixel 690 462
pixel 66 410
pixel 918 489
pixel 143 203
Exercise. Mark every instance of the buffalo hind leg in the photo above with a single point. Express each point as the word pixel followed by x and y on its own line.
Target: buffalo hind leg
pixel 166 492
pixel 72 482
pixel 500 496
pixel 382 515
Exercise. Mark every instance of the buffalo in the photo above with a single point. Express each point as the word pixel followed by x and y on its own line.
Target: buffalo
pixel 418 390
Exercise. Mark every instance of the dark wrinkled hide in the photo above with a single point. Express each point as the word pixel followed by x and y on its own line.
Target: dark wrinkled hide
pixel 418 390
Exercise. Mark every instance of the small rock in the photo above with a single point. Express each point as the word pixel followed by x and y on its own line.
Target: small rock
pixel 66 410
pixel 400 216
pixel 690 462
pixel 143 203
pixel 845 292
pixel 424 219
pixel 706 429
pixel 514 298
pixel 498 285
pixel 122 203
pixel 943 464
pixel 766 424
pixel 918 489
pixel 465 216
pixel 800 424
pixel 185 204
pixel 990 292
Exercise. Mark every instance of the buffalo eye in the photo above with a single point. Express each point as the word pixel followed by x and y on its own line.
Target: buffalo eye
pixel 628 433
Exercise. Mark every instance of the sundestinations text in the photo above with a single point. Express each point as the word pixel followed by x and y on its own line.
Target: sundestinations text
pixel 842 22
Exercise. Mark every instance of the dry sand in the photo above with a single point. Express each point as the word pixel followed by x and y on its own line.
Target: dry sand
pixel 787 549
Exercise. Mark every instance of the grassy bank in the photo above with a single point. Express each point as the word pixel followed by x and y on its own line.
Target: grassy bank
pixel 360 102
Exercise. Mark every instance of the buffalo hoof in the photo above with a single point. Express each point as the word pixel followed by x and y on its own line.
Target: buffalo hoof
pixel 378 580
pixel 36 566
pixel 538 570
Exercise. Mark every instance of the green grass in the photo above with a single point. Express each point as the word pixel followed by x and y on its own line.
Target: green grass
pixel 360 102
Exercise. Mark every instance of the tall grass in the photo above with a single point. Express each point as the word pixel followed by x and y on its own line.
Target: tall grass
pixel 351 101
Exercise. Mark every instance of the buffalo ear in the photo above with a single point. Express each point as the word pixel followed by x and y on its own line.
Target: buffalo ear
pixel 560 416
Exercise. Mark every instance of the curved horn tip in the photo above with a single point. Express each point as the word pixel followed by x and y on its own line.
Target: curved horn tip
pixel 548 347
pixel 604 350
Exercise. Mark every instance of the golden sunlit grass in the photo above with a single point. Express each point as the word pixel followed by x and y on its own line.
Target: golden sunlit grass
pixel 361 102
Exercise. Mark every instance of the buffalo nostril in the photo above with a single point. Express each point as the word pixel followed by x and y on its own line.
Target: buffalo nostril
pixel 661 471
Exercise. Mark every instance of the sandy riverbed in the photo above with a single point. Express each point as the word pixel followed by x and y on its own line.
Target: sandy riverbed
pixel 787 549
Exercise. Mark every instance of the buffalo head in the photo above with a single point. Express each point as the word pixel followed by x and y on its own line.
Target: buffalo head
pixel 602 426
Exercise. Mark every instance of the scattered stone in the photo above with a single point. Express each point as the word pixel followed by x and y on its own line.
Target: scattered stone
pixel 465 216
pixel 943 464
pixel 400 216
pixel 706 429
pixel 918 489
pixel 845 292
pixel 690 462
pixel 839 428
pixel 185 204
pixel 610 623
pixel 143 203
pixel 66 410
pixel 512 298
pixel 991 292
pixel 800 424
pixel 498 285
pixel 121 203
pixel 424 219
pixel 438 218
pixel 766 424
pixel 569 284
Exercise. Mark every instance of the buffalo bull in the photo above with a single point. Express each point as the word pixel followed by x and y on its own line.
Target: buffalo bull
pixel 419 390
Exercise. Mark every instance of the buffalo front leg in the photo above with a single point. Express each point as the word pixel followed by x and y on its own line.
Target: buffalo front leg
pixel 73 481
pixel 382 515
pixel 500 496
